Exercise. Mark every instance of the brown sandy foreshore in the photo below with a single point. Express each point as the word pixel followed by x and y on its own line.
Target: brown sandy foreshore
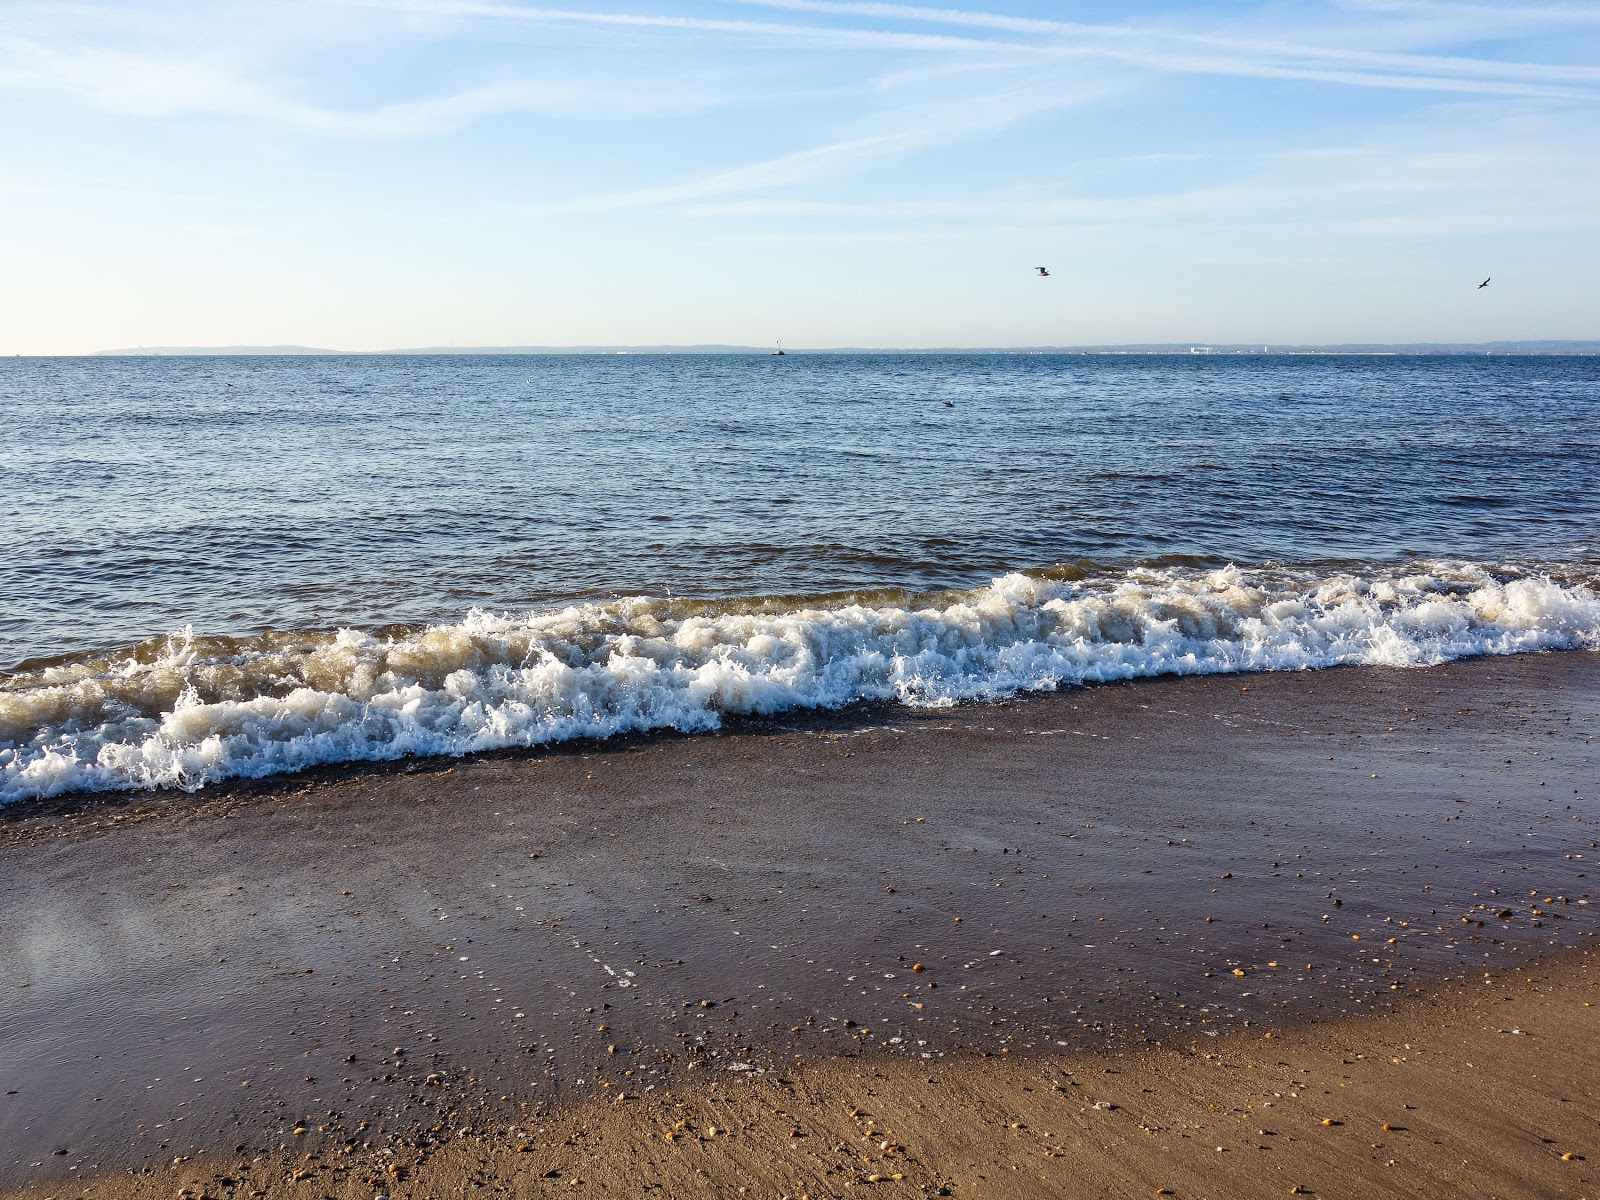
pixel 1486 1089
pixel 1069 945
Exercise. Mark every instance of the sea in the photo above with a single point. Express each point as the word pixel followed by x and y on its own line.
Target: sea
pixel 223 567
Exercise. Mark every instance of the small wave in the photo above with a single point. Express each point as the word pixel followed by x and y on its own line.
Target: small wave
pixel 186 710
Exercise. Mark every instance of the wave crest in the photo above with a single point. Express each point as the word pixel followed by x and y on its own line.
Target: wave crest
pixel 185 710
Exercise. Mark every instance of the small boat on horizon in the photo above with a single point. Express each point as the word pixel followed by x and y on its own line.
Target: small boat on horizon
pixel 779 349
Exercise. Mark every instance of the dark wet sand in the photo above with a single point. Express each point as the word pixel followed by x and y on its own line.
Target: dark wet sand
pixel 1482 1088
pixel 1077 873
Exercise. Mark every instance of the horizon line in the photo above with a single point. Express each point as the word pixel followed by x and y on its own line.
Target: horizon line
pixel 1199 348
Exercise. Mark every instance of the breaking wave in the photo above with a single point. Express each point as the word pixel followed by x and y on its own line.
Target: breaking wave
pixel 186 710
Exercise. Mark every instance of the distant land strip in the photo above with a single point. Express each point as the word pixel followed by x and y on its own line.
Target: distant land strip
pixel 1197 348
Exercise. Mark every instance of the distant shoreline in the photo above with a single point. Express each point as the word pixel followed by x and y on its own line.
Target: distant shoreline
pixel 1524 348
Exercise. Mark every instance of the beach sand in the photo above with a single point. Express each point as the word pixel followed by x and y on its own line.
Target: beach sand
pixel 1485 1090
pixel 457 969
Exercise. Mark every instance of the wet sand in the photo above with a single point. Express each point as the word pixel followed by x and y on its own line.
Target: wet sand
pixel 1484 1089
pixel 383 958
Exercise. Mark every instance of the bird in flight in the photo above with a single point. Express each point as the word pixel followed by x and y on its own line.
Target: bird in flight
pixel 1484 284
pixel 1043 271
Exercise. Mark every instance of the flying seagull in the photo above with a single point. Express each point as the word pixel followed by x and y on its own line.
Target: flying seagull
pixel 1043 271
pixel 1484 284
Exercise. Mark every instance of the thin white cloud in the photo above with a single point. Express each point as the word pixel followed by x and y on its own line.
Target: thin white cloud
pixel 784 170
pixel 952 106
pixel 1125 39
pixel 778 32
pixel 965 114
pixel 1463 174
pixel 164 84
pixel 942 16
pixel 1520 15
pixel 1148 48
pixel 1204 65
pixel 161 86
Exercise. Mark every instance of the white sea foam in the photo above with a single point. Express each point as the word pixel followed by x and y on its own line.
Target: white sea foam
pixel 193 710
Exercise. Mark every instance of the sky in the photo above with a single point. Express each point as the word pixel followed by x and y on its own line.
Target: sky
pixel 377 174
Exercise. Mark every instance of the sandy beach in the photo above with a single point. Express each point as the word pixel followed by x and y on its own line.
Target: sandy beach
pixel 1074 944
pixel 1483 1089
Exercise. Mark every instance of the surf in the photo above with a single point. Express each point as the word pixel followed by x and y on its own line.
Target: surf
pixel 185 711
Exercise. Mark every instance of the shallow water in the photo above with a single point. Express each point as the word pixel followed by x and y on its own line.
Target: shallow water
pixel 799 531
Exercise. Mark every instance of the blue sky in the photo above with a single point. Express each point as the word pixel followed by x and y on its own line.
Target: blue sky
pixel 368 174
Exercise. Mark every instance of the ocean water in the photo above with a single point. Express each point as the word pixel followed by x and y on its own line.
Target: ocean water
pixel 220 567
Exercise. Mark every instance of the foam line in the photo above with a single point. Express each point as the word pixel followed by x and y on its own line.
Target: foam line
pixel 190 711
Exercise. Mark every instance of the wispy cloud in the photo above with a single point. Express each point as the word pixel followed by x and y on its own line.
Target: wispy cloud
pixel 970 110
pixel 129 79
pixel 916 113
pixel 1155 46
pixel 784 170
pixel 789 35
pixel 1520 15
pixel 1146 47
pixel 145 85
pixel 1462 174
